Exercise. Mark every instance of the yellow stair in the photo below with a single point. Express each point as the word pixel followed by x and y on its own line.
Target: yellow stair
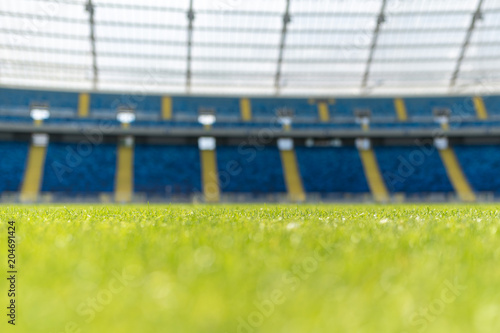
pixel 33 174
pixel 210 176
pixel 373 176
pixel 83 105
pixel 323 112
pixel 292 176
pixel 166 108
pixel 480 108
pixel 400 106
pixel 123 181
pixel 456 175
pixel 245 109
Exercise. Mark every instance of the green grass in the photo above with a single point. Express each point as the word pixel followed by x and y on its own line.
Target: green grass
pixel 255 268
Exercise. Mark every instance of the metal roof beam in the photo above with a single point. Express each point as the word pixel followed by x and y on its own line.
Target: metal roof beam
pixel 373 45
pixel 190 17
pixel 90 8
pixel 286 20
pixel 475 17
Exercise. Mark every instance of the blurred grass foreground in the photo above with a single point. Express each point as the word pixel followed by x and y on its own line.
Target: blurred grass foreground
pixel 230 268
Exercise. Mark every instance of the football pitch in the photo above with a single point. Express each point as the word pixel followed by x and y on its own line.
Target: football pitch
pixel 253 268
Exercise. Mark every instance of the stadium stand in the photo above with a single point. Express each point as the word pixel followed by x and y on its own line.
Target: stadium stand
pixel 379 107
pixel 267 107
pixel 492 104
pixel 19 100
pixel 108 103
pixel 172 171
pixel 12 165
pixel 481 164
pixel 411 170
pixel 424 106
pixel 251 170
pixel 167 170
pixel 73 169
pixel 328 170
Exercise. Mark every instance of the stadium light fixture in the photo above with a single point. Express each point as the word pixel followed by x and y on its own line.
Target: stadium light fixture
pixel 206 143
pixel 128 141
pixel 285 116
pixel 125 115
pixel 363 116
pixel 206 116
pixel 40 139
pixel 441 143
pixel 206 119
pixel 285 121
pixel 442 115
pixel 363 144
pixel 39 112
pixel 285 144
pixel 336 143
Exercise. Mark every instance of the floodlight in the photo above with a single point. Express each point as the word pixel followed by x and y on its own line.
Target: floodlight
pixel 285 121
pixel 206 119
pixel 442 115
pixel 363 143
pixel 206 116
pixel 285 144
pixel 40 139
pixel 441 143
pixel 285 116
pixel 125 115
pixel 39 112
pixel 336 143
pixel 128 141
pixel 363 116
pixel 206 143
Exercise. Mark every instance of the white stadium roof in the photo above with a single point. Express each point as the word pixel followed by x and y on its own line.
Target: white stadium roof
pixel 253 47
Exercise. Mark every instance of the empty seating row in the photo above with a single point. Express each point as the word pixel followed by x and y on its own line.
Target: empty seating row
pixel 164 171
pixel 19 101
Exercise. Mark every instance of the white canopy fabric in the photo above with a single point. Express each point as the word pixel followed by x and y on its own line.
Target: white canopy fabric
pixel 253 47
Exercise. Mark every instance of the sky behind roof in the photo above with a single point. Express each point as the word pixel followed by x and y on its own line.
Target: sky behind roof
pixel 240 47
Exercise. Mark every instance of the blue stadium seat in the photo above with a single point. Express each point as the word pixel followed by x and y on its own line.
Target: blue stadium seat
pixel 411 169
pixel 481 165
pixel 26 120
pixel 16 99
pixel 424 106
pixel 249 169
pixel 405 125
pixel 266 107
pixel 12 165
pixel 80 122
pixel 165 170
pixel 109 103
pixel 189 106
pixel 79 168
pixel 248 125
pixel 379 107
pixel 326 126
pixel 331 170
pixel 166 124
pixel 492 104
